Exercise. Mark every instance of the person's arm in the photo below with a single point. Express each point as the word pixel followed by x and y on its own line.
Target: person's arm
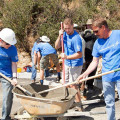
pixel 14 72
pixel 35 58
pixel 58 41
pixel 38 60
pixel 70 57
pixel 90 68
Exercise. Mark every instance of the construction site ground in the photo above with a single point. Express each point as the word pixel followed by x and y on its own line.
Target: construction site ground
pixel 98 109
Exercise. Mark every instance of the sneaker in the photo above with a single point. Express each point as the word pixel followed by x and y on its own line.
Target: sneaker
pixel 58 79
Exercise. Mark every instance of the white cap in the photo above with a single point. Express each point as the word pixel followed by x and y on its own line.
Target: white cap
pixel 8 36
pixel 45 39
pixel 75 25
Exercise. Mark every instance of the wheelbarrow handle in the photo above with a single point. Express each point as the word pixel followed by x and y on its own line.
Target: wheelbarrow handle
pixel 82 80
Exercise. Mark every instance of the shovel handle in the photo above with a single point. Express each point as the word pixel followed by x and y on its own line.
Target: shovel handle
pixel 24 90
pixel 63 63
pixel 6 77
pixel 89 78
pixel 11 82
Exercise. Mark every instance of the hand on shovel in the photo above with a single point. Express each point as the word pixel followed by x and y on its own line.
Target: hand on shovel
pixel 82 76
pixel 14 82
pixel 63 56
pixel 61 32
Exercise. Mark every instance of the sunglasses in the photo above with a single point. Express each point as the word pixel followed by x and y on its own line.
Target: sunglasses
pixel 96 31
pixel 7 43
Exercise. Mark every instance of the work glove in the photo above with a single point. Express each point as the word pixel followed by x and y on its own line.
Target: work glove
pixel 35 67
pixel 14 81
pixel 61 32
pixel 63 56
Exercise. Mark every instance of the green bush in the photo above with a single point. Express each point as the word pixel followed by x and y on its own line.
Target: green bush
pixel 17 15
pixel 43 17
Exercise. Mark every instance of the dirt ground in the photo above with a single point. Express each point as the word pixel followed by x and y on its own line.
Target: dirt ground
pixel 95 108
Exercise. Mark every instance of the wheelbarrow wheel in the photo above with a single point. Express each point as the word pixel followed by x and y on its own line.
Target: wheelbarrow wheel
pixel 50 118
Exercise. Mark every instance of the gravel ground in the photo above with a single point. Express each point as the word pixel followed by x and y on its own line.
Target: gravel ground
pixel 93 107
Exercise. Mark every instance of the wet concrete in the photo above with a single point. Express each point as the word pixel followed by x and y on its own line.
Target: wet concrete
pixel 60 94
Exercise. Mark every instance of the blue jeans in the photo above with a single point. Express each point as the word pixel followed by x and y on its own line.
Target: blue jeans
pixel 109 96
pixel 7 99
pixel 46 72
pixel 34 71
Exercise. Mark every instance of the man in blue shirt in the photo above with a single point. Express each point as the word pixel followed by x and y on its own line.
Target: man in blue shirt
pixel 108 46
pixel 73 55
pixel 47 52
pixel 8 67
pixel 34 67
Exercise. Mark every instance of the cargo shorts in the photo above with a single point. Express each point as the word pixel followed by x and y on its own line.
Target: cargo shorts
pixel 44 62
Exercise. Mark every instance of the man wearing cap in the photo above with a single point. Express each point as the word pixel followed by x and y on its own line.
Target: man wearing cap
pixel 46 51
pixel 89 38
pixel 106 46
pixel 34 67
pixel 8 67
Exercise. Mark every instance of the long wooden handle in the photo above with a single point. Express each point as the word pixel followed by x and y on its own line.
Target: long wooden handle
pixel 63 61
pixel 24 90
pixel 82 80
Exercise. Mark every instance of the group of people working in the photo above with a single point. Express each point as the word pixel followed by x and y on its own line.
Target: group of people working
pixel 106 46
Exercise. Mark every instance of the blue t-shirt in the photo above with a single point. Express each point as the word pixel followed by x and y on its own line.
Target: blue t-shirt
pixel 33 49
pixel 45 49
pixel 7 56
pixel 109 49
pixel 72 45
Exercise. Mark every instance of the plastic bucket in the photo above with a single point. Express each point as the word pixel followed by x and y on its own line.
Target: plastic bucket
pixel 19 70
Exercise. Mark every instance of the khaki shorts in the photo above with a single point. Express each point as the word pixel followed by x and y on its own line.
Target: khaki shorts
pixel 44 62
pixel 72 73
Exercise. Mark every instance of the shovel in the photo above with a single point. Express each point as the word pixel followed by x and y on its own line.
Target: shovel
pixel 21 88
pixel 63 61
pixel 82 80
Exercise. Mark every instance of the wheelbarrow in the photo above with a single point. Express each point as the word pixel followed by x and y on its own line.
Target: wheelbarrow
pixel 50 103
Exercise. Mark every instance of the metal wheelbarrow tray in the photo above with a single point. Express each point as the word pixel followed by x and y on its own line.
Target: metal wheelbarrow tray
pixel 54 102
